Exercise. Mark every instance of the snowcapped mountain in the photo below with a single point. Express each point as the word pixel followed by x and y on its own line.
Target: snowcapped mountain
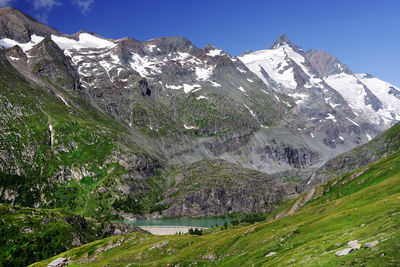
pixel 272 110
pixel 288 69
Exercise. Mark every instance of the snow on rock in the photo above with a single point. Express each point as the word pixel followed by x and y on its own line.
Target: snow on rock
pixel 383 90
pixel 274 63
pixel 189 127
pixel 186 87
pixel 250 80
pixel 6 42
pixel 63 100
pixel 214 52
pixel 251 112
pixel 191 87
pixel 331 117
pixel 241 70
pixel 299 97
pixel 85 40
pixel 151 47
pixel 241 89
pixel 201 97
pixel 203 74
pixel 277 63
pixel 215 84
pixel 353 122
pixel 353 89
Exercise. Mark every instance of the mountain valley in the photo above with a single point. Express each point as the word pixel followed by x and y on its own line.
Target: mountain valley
pixel 105 130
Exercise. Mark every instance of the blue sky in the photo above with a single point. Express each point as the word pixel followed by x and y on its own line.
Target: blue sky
pixel 363 34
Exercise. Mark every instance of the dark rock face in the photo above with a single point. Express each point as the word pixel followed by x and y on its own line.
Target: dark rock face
pixel 282 40
pixel 299 158
pixel 394 91
pixel 325 64
pixel 216 187
pixel 19 27
pixel 372 100
pixel 49 60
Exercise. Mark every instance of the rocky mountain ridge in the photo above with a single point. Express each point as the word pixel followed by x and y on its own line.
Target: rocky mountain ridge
pixel 113 119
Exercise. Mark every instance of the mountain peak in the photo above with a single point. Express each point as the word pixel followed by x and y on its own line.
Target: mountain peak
pixel 19 26
pixel 282 40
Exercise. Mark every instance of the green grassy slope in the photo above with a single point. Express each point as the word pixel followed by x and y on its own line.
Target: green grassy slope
pixel 363 205
pixel 28 234
pixel 54 154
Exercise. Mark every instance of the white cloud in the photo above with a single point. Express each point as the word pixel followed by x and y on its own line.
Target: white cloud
pixel 84 5
pixel 44 7
pixel 4 3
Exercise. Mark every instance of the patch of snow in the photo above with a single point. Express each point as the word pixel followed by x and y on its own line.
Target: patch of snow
pixel 215 84
pixel 174 87
pixel 341 138
pixel 203 74
pixel 250 80
pixel 299 97
pixel 151 47
pixel 251 112
pixel 189 127
pixel 312 135
pixel 186 87
pixel 189 87
pixel 85 40
pixel 241 70
pixel 277 98
pixel 263 126
pixel 13 58
pixel 241 89
pixel 331 117
pixel 7 42
pixel 352 122
pixel 214 52
pixel 369 137
pixel 63 100
pixel 201 97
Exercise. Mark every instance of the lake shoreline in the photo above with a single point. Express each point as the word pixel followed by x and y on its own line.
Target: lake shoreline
pixel 169 230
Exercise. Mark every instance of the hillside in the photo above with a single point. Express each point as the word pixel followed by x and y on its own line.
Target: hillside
pixel 362 205
pixel 28 235
pixel 382 145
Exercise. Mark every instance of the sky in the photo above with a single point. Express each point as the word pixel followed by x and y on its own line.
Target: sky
pixel 363 34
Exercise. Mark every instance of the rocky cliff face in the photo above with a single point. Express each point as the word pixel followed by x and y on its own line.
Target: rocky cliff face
pixel 382 145
pixel 216 187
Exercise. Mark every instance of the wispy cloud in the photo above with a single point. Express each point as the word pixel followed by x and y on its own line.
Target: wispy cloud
pixel 83 5
pixel 4 3
pixel 43 8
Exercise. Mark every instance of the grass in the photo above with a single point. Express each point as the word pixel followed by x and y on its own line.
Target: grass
pixel 363 205
pixel 84 142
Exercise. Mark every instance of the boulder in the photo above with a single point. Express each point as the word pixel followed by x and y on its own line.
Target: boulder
pixel 344 252
pixel 354 244
pixel 272 253
pixel 372 244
